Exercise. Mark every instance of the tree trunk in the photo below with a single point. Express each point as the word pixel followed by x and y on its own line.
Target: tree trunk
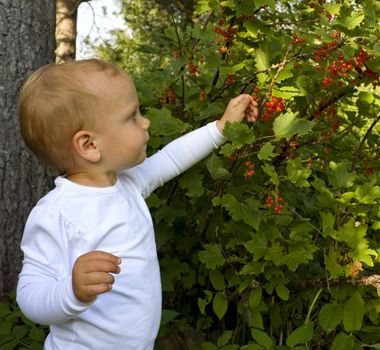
pixel 66 29
pixel 26 43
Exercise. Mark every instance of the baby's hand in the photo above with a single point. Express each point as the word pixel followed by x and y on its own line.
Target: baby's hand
pixel 92 274
pixel 238 108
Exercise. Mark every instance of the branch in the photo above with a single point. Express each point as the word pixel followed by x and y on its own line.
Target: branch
pixel 361 145
pixel 372 280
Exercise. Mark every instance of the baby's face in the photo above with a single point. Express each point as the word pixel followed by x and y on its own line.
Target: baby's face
pixel 123 132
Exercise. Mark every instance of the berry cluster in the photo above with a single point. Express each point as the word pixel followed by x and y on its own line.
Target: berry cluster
pixel 229 80
pixel 361 57
pixel 227 34
pixel 193 69
pixel 270 203
pixel 340 68
pixel 202 95
pixel 272 108
pixel 255 91
pixel 323 52
pixel 176 54
pixel 169 96
pixel 232 157
pixel 296 40
pixel 250 169
pixel 292 147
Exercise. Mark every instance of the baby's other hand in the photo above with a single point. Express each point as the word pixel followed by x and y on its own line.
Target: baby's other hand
pixel 92 275
pixel 238 108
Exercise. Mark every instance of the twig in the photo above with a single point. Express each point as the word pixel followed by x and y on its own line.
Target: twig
pixel 361 145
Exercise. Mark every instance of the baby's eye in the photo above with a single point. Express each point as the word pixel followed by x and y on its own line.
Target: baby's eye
pixel 134 116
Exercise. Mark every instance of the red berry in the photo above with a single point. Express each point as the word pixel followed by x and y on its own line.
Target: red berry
pixel 223 50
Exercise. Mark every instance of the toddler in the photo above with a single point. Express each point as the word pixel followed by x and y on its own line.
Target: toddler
pixel 90 268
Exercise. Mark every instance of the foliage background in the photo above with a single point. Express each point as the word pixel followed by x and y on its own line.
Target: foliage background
pixel 272 241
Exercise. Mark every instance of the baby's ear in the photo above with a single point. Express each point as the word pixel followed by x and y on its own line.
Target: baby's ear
pixel 85 146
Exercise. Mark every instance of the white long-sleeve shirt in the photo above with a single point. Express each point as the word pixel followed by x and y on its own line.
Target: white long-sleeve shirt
pixel 72 220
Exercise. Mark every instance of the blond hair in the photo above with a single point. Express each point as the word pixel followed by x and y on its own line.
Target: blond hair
pixel 55 103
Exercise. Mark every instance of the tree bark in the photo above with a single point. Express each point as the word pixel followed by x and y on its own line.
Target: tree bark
pixel 66 29
pixel 26 43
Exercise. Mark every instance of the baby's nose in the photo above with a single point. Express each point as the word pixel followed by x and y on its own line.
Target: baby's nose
pixel 146 123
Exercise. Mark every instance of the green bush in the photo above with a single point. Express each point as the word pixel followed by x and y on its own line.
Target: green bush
pixel 16 331
pixel 272 241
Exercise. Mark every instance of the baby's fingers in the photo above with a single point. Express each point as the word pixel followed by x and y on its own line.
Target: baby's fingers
pixel 251 113
pixel 93 290
pixel 101 266
pixel 94 278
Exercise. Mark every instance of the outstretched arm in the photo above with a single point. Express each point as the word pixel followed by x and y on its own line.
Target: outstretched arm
pixel 182 153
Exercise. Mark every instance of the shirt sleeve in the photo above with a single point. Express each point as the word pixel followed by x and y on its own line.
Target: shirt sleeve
pixel 44 290
pixel 175 158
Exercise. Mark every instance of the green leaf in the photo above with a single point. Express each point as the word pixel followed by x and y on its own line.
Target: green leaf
pixel 332 8
pixel 162 122
pixel 261 59
pixel 282 291
pixel 217 279
pixel 208 346
pixel 262 338
pixel 270 170
pixel 220 304
pixel 286 92
pixel 5 327
pixel 297 174
pixel 266 151
pixel 168 315
pixel 353 313
pixel 257 319
pixel 212 109
pixel 202 303
pixel 340 176
pixel 328 222
pixel 352 234
pixel 351 20
pixel 192 182
pixel 147 49
pixel 254 297
pixel 301 335
pixel 225 338
pixel 238 210
pixel 343 342
pixel 374 64
pixel 335 270
pixel 269 3
pixel 253 28
pixel 20 331
pixel 239 134
pixel 37 334
pixel 367 193
pixel 4 310
pixel 330 316
pixel 11 345
pixel 285 74
pixel 211 256
pixel 216 169
pixel 251 347
pixel 233 69
pixel 286 125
